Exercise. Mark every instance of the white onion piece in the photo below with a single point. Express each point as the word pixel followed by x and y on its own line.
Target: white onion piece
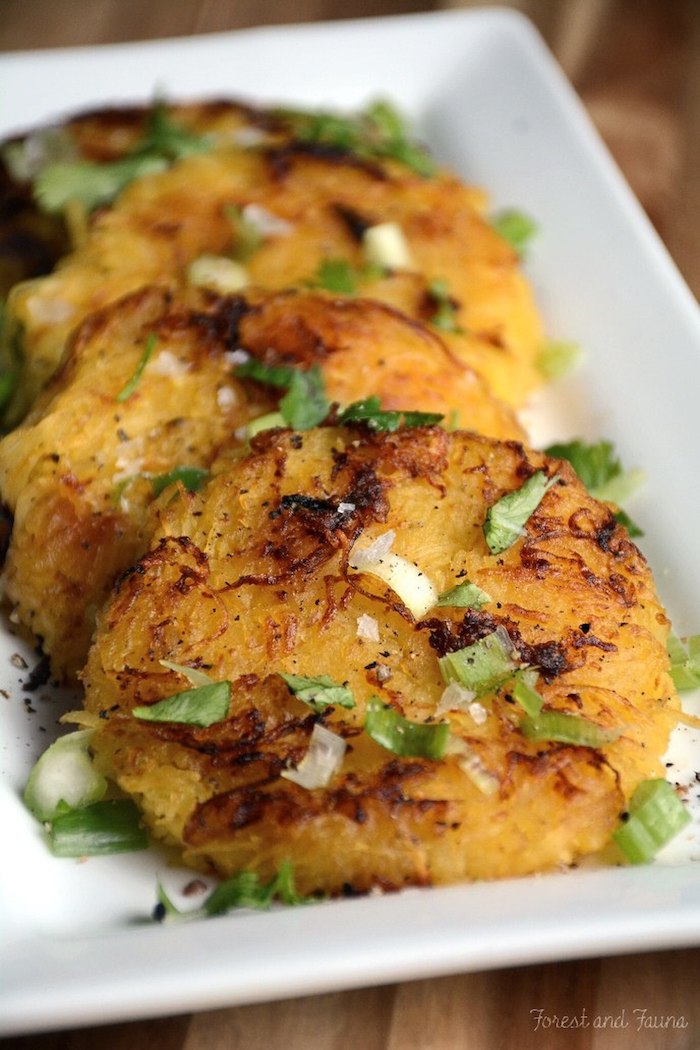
pixel 455 697
pixel 471 765
pixel 367 628
pixel 416 591
pixel 192 674
pixel 217 273
pixel 167 364
pixel 321 762
pixel 265 222
pixel 379 548
pixel 385 245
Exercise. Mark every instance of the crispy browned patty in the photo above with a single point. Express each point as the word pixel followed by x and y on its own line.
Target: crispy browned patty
pixel 252 577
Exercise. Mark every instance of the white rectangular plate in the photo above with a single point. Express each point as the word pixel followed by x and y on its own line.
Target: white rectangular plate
pixel 77 944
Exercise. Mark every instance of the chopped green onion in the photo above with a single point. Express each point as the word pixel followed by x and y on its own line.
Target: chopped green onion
pixel 506 518
pixel 112 826
pixel 656 815
pixel 465 595
pixel 336 275
pixel 515 227
pixel 202 707
pixel 370 412
pixel 394 732
pixel 64 773
pixel 527 696
pixel 126 391
pixel 267 422
pixel 483 666
pixel 685 662
pixel 445 317
pixel 191 477
pixel 556 358
pixel 566 729
pixel 319 692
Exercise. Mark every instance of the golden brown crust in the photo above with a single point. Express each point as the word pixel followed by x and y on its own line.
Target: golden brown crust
pixel 253 578
pixel 83 458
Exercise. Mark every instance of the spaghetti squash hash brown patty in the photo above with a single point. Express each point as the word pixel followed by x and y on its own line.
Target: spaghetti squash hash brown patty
pixel 253 577
pixel 317 201
pixel 77 474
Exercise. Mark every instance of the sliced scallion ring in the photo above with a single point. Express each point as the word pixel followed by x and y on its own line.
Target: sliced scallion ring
pixel 64 774
pixel 396 733
pixel 565 728
pixel 483 666
pixel 112 826
pixel 656 815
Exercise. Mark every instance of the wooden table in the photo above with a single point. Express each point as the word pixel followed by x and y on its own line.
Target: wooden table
pixel 636 64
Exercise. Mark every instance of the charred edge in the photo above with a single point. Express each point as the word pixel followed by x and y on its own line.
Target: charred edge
pixel 447 637
pixel 6 523
pixel 221 325
pixel 281 159
pixel 355 223
pixel 182 545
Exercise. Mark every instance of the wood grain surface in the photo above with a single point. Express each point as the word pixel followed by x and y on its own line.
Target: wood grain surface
pixel 636 65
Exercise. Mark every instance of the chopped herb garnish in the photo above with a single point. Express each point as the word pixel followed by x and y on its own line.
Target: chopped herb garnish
pixel 93 184
pixel 376 133
pixel 557 358
pixel 515 227
pixel 336 275
pixel 191 477
pixel 394 732
pixel 685 662
pixel 370 412
pixel 64 775
pixel 506 518
pixel 90 183
pixel 656 815
pixel 267 422
pixel 305 404
pixel 566 729
pixel 126 391
pixel 525 693
pixel 242 890
pixel 465 595
pixel 445 316
pixel 202 706
pixel 601 472
pixel 319 692
pixel 111 826
pixel 484 666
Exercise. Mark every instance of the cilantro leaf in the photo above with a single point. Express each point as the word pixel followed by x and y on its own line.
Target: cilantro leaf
pixel 601 472
pixel 202 707
pixel 369 411
pixel 506 518
pixel 515 227
pixel 319 692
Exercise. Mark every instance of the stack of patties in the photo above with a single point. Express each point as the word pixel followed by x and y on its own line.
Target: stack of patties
pixel 271 471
